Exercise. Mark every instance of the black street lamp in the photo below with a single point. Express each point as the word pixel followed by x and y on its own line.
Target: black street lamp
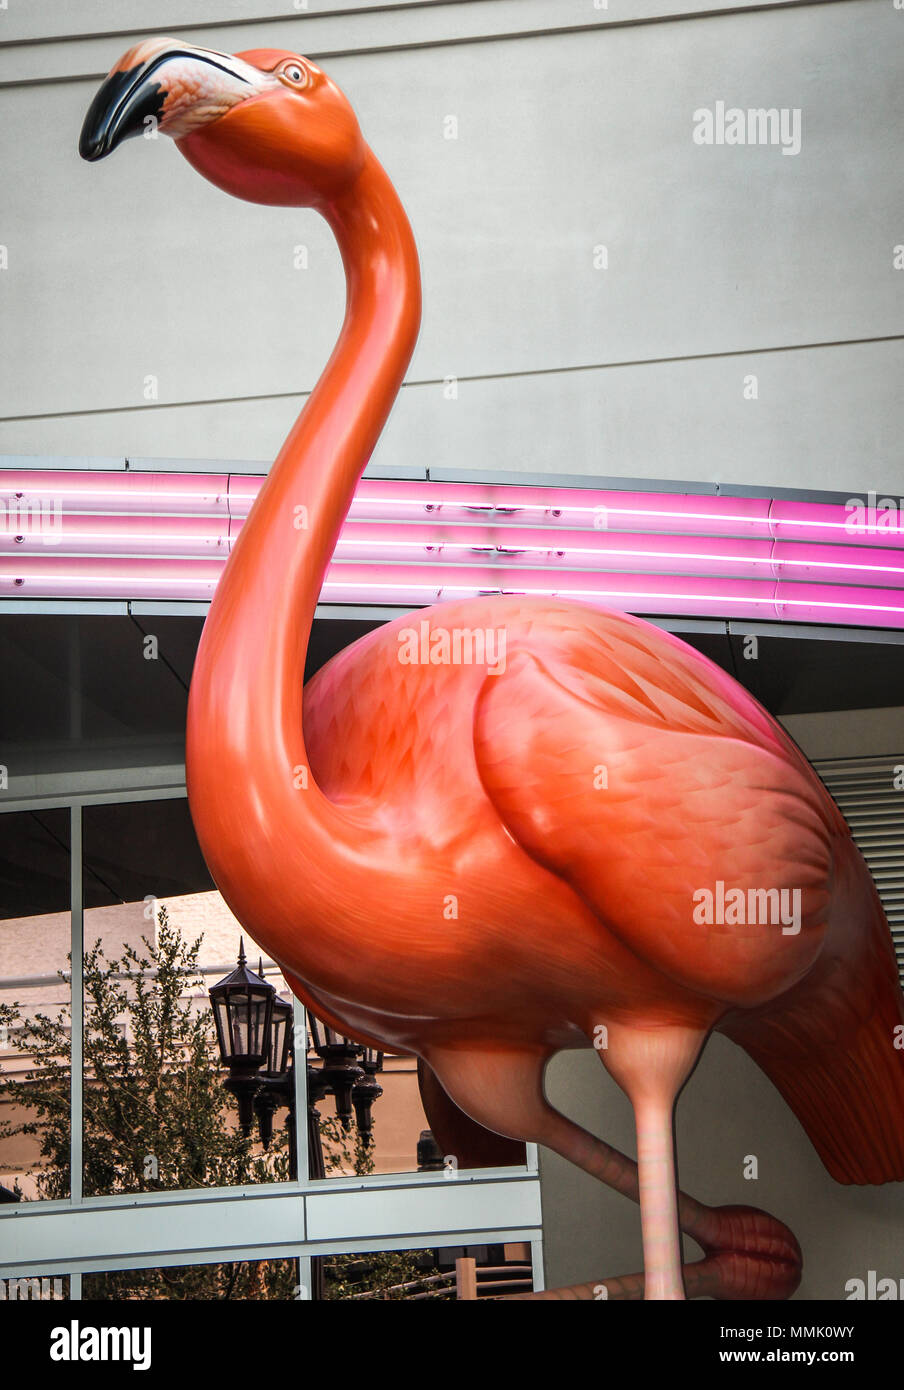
pixel 366 1091
pixel 430 1157
pixel 278 1056
pixel 255 1037
pixel 276 1080
pixel 339 1070
pixel 347 1071
pixel 243 1013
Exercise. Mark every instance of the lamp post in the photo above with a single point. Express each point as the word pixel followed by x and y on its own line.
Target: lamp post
pixel 276 1078
pixel 243 1013
pixel 255 1039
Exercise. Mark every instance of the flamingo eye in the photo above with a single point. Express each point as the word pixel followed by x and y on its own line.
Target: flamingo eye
pixel 295 74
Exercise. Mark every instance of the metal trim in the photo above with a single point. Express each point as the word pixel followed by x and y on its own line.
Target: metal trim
pixel 595 482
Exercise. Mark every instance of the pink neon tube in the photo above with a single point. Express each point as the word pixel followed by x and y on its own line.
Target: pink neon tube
pixel 141 535
pixel 191 494
pixel 417 585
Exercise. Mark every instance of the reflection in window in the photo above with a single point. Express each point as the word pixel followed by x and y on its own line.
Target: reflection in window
pixel 161 1108
pixel 445 1274
pixel 243 1279
pixel 442 1274
pixel 35 1022
pixel 157 1115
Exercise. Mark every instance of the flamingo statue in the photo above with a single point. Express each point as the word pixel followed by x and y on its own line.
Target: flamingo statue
pixel 429 849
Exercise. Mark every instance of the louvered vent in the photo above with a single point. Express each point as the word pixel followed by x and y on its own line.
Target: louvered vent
pixel 870 795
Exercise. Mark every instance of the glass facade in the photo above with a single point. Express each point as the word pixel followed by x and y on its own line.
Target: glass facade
pixel 161 1140
pixel 35 1013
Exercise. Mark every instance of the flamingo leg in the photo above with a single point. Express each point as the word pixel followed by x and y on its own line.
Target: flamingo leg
pixel 747 1253
pixel 651 1065
pixel 662 1253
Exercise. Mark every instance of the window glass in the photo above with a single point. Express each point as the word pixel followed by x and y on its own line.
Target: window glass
pixel 35 1021
pixel 446 1274
pixel 419 1275
pixel 243 1279
pixel 160 1109
pixel 378 1115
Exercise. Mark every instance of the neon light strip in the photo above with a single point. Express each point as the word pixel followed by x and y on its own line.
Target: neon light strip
pixel 153 537
pixel 222 494
pixel 418 585
pixel 121 535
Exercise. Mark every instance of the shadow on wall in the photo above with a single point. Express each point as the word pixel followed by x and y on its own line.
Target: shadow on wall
pixel 728 1111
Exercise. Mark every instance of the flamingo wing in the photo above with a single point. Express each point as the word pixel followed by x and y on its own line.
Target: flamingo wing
pixel 643 776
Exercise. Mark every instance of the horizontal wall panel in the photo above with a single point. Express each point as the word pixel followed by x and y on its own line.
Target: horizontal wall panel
pixel 459 1204
pixel 709 249
pixel 826 418
pixel 30 1242
pixel 180 1229
pixel 334 26
pixel 846 733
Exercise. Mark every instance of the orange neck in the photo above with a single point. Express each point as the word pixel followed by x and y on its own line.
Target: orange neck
pixel 245 754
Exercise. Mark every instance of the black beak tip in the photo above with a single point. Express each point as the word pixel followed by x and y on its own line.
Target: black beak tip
pixel 118 112
pixel 91 146
pixel 97 137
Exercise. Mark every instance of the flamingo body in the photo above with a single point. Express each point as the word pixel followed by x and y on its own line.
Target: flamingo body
pixel 573 899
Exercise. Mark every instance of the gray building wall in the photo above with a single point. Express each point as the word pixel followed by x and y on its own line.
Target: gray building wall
pixel 574 132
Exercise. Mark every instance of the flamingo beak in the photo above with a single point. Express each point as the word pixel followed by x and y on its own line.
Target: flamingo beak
pixel 165 85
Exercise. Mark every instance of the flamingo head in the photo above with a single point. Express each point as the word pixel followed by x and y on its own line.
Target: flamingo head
pixel 265 125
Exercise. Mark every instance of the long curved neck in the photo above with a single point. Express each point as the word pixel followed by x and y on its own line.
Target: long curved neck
pixel 296 521
pixel 247 767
